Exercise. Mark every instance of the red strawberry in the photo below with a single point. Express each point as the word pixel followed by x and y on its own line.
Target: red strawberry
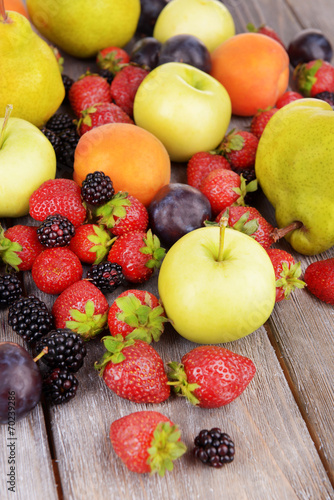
pixel 248 220
pixel 9 251
pixel 112 59
pixel 147 441
pixel 287 97
pixel 314 77
pixel 133 370
pixel 100 114
pixel 201 164
pixel 319 278
pixel 55 269
pixel 240 148
pixel 265 30
pixel 122 214
pixel 211 376
pixel 91 243
pixel 138 253
pixel 137 314
pixel 287 273
pixel 225 187
pixel 83 308
pixel 58 196
pixel 124 86
pixel 89 89
pixel 260 120
pixel 26 236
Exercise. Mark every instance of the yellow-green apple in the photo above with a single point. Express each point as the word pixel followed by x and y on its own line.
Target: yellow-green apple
pixel 82 28
pixel 216 287
pixel 295 167
pixel 209 20
pixel 27 159
pixel 187 109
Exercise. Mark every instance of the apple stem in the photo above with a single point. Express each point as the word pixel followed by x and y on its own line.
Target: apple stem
pixel 277 234
pixel 3 12
pixel 9 109
pixel 222 226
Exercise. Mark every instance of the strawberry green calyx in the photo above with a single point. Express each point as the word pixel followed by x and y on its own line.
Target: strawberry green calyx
pixel 85 118
pixel 113 208
pixel 8 251
pixel 232 142
pixel 290 278
pixel 102 243
pixel 244 225
pixel 148 322
pixel 110 62
pixel 114 346
pixel 244 188
pixel 87 324
pixel 165 447
pixel 306 76
pixel 178 379
pixel 152 247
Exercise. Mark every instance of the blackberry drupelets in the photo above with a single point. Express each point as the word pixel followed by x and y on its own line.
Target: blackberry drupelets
pixel 60 386
pixel 60 122
pixel 107 276
pixel 214 447
pixel 97 188
pixel 55 231
pixel 30 318
pixel 10 289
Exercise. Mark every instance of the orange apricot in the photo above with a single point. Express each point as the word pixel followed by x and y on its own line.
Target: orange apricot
pixel 254 69
pixel 135 160
pixel 17 6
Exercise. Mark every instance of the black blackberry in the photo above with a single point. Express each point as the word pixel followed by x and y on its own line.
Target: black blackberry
pixel 326 96
pixel 67 82
pixel 214 447
pixel 10 289
pixel 97 188
pixel 29 317
pixel 53 138
pixel 59 123
pixel 70 139
pixel 107 276
pixel 60 386
pixel 66 349
pixel 55 231
pixel 247 173
pixel 107 75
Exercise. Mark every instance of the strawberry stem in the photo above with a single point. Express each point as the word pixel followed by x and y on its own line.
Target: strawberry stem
pixel 222 226
pixel 277 234
pixel 9 109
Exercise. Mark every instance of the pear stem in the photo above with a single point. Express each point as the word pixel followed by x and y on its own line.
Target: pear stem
pixel 9 109
pixel 277 234
pixel 3 12
pixel 222 226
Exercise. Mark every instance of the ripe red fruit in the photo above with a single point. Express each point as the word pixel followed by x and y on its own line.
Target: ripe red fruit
pixel 58 196
pixel 314 77
pixel 137 314
pixel 100 114
pixel 133 370
pixel 26 249
pixel 211 376
pixel 287 273
pixel 201 164
pixel 287 97
pixel 91 243
pixel 55 269
pixel 319 278
pixel 124 86
pixel 260 120
pixel 112 59
pixel 265 30
pixel 83 308
pixel 147 441
pixel 138 253
pixel 240 148
pixel 248 220
pixel 89 89
pixel 122 214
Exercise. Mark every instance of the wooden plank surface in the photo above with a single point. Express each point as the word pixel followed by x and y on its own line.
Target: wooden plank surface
pixel 282 424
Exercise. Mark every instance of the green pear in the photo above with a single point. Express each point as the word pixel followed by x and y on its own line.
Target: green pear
pixel 83 27
pixel 295 168
pixel 30 79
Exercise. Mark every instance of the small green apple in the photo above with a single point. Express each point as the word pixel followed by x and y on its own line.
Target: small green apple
pixel 187 109
pixel 295 168
pixel 209 20
pixel 27 159
pixel 216 292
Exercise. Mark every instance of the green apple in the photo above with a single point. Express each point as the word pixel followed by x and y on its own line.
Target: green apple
pixel 209 20
pixel 295 168
pixel 187 109
pixel 82 28
pixel 27 159
pixel 214 292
